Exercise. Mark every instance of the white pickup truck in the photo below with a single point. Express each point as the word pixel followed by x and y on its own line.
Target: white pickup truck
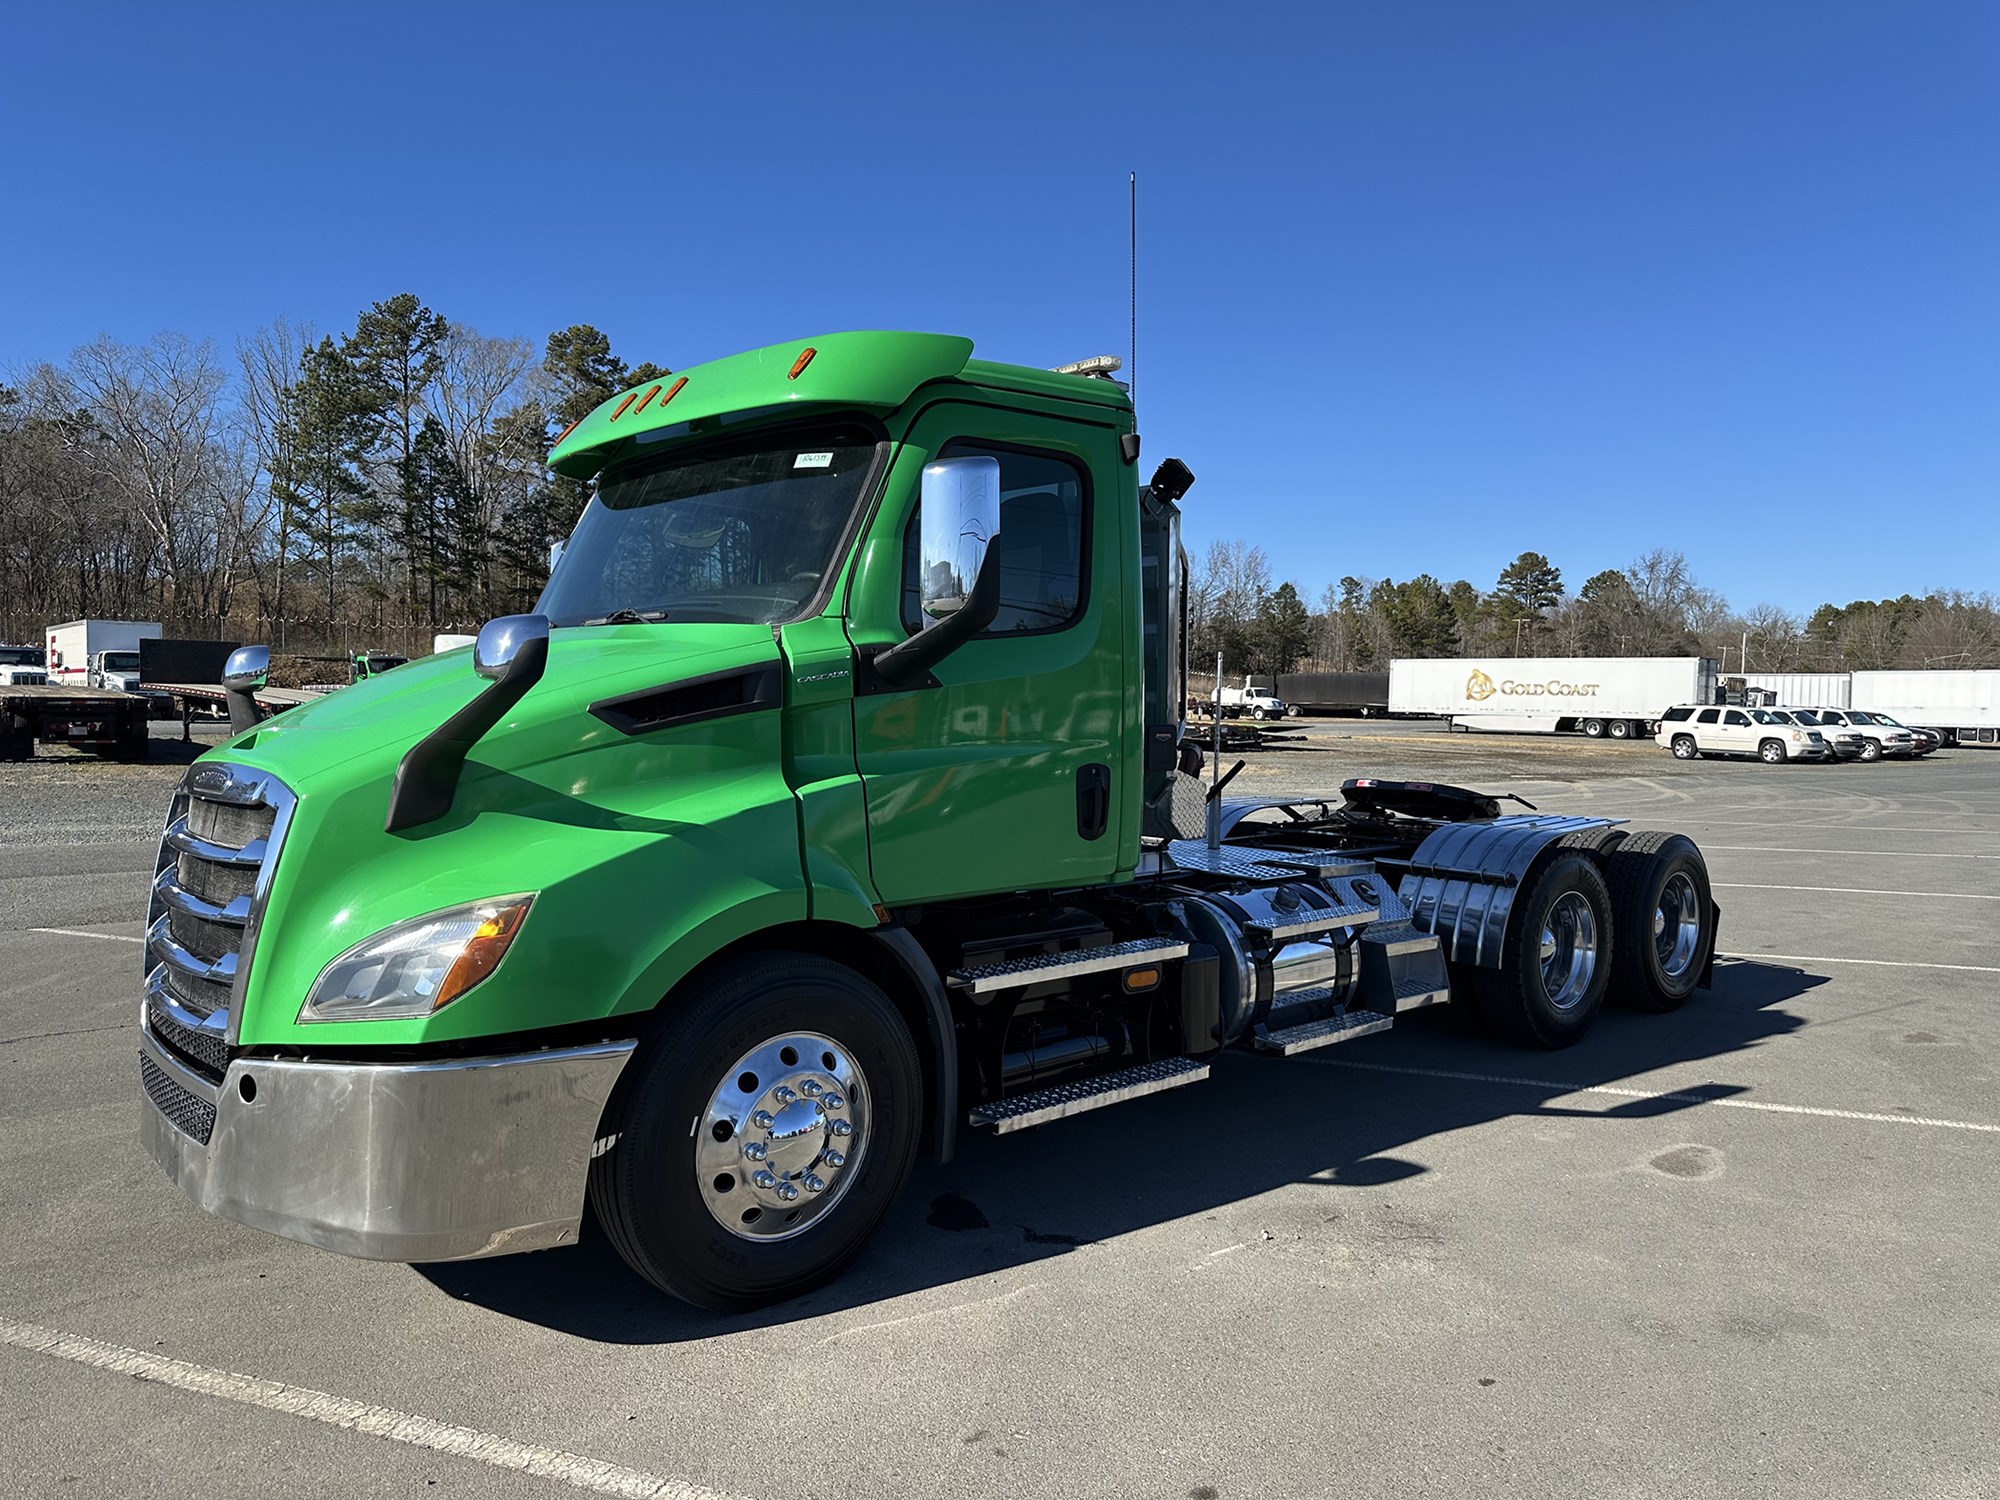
pixel 22 666
pixel 118 672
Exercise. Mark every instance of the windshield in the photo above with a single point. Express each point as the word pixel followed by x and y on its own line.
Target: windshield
pixel 20 656
pixel 121 661
pixel 1804 716
pixel 1765 716
pixel 1855 716
pixel 742 534
pixel 1891 723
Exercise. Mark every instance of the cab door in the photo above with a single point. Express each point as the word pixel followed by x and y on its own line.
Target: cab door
pixel 1003 770
pixel 1739 735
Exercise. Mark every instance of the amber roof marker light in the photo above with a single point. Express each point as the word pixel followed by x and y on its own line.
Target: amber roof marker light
pixel 644 399
pixel 799 364
pixel 622 405
pixel 673 390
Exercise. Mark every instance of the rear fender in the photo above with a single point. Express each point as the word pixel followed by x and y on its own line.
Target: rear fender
pixel 1462 881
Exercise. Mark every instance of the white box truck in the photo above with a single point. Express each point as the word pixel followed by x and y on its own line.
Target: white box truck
pixel 71 646
pixel 1802 689
pixel 1602 696
pixel 1964 706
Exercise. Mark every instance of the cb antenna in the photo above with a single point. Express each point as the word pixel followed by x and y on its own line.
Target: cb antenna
pixel 1132 364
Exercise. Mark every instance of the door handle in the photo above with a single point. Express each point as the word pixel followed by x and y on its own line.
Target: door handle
pixel 1093 801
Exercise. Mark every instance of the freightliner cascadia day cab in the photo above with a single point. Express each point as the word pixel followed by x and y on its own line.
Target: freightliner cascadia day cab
pixel 834 802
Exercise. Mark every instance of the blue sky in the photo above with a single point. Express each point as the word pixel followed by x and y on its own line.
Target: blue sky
pixel 1421 284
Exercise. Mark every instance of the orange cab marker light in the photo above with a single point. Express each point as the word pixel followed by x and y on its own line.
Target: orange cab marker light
pixel 622 405
pixel 1140 979
pixel 566 432
pixel 673 390
pixel 644 399
pixel 799 364
pixel 482 952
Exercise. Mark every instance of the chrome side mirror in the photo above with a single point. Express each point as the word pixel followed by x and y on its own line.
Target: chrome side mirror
pixel 247 670
pixel 959 520
pixel 504 640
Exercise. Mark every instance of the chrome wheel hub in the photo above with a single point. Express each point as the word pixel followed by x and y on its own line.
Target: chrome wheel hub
pixel 1677 926
pixel 1569 950
pixel 782 1135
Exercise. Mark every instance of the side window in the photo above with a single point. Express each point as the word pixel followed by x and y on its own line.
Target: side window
pixel 1044 531
pixel 1736 720
pixel 1679 715
pixel 1708 716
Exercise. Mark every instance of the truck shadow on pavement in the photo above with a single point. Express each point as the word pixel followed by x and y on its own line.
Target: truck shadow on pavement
pixel 1256 1125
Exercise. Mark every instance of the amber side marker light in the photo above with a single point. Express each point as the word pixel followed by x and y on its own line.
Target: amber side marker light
pixel 799 364
pixel 644 399
pixel 483 952
pixel 630 396
pixel 673 390
pixel 565 433
pixel 1141 979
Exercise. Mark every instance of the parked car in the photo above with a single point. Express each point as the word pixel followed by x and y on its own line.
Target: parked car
pixel 1694 729
pixel 1877 738
pixel 1844 744
pixel 21 666
pixel 1927 740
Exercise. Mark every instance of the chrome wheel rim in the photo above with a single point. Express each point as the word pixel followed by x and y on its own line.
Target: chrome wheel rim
pixel 1684 748
pixel 782 1137
pixel 1677 926
pixel 1569 950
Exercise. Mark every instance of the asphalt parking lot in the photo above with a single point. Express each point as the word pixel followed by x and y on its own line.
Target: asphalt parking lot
pixel 1749 1247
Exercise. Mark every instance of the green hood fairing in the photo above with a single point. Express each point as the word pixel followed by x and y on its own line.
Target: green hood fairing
pixel 632 844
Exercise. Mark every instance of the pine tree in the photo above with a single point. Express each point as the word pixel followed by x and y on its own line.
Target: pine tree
pixel 397 349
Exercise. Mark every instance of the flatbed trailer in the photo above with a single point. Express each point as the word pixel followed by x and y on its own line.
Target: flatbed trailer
pixel 193 695
pixel 111 723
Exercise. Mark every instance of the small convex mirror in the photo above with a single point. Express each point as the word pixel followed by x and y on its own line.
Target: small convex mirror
pixel 960 517
pixel 501 640
pixel 247 667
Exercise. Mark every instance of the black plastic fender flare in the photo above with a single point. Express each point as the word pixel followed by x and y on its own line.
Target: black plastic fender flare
pixel 916 964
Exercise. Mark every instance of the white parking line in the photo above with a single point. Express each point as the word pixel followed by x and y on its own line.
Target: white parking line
pixel 1866 853
pixel 1873 963
pixel 357 1416
pixel 1672 1097
pixel 109 937
pixel 1846 890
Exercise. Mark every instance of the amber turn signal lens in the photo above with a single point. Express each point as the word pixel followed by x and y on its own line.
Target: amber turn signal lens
pixel 1140 979
pixel 482 952
pixel 799 364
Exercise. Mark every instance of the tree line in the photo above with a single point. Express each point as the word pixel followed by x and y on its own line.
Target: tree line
pixel 359 490
pixel 1653 607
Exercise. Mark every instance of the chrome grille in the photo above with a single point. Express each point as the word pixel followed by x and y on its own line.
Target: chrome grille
pixel 222 836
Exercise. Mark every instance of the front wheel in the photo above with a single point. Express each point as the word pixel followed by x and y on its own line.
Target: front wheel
pixel 1771 753
pixel 771 1123
pixel 1871 749
pixel 1666 920
pixel 1556 962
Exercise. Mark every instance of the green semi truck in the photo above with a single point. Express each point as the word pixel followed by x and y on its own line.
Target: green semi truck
pixel 835 801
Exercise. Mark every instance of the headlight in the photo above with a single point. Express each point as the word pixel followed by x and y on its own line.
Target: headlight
pixel 419 966
pixel 1797 738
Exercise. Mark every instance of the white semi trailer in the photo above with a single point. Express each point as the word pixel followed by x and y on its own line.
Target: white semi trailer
pixel 1803 689
pixel 1965 706
pixel 1616 697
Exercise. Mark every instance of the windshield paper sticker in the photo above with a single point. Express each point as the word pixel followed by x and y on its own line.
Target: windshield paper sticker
pixel 813 461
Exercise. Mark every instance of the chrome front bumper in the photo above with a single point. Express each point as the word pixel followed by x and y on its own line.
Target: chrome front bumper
pixel 405 1161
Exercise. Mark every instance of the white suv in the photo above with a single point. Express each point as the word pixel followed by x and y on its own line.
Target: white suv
pixel 1692 729
pixel 1877 738
pixel 1844 744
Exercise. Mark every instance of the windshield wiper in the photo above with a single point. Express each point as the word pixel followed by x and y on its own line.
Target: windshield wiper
pixel 629 617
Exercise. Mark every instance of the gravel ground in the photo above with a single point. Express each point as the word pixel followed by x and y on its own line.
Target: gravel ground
pixel 68 797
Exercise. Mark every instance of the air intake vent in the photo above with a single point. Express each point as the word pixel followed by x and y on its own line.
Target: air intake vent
pixel 716 696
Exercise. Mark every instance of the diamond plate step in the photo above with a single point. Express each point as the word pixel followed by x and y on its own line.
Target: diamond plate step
pixel 1311 1034
pixel 1399 939
pixel 1314 921
pixel 1066 1099
pixel 1015 972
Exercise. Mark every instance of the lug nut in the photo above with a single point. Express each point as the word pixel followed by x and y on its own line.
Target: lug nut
pixel 841 1127
pixel 783 1095
pixel 787 1191
pixel 813 1184
pixel 833 1101
pixel 764 1179
pixel 754 1151
pixel 810 1088
pixel 832 1157
pixel 762 1119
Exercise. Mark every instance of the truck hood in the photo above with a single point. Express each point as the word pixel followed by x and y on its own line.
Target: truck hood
pixel 361 733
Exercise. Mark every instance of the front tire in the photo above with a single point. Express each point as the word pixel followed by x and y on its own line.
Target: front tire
pixel 1685 747
pixel 1871 749
pixel 770 1124
pixel 1556 962
pixel 1666 920
pixel 1771 752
